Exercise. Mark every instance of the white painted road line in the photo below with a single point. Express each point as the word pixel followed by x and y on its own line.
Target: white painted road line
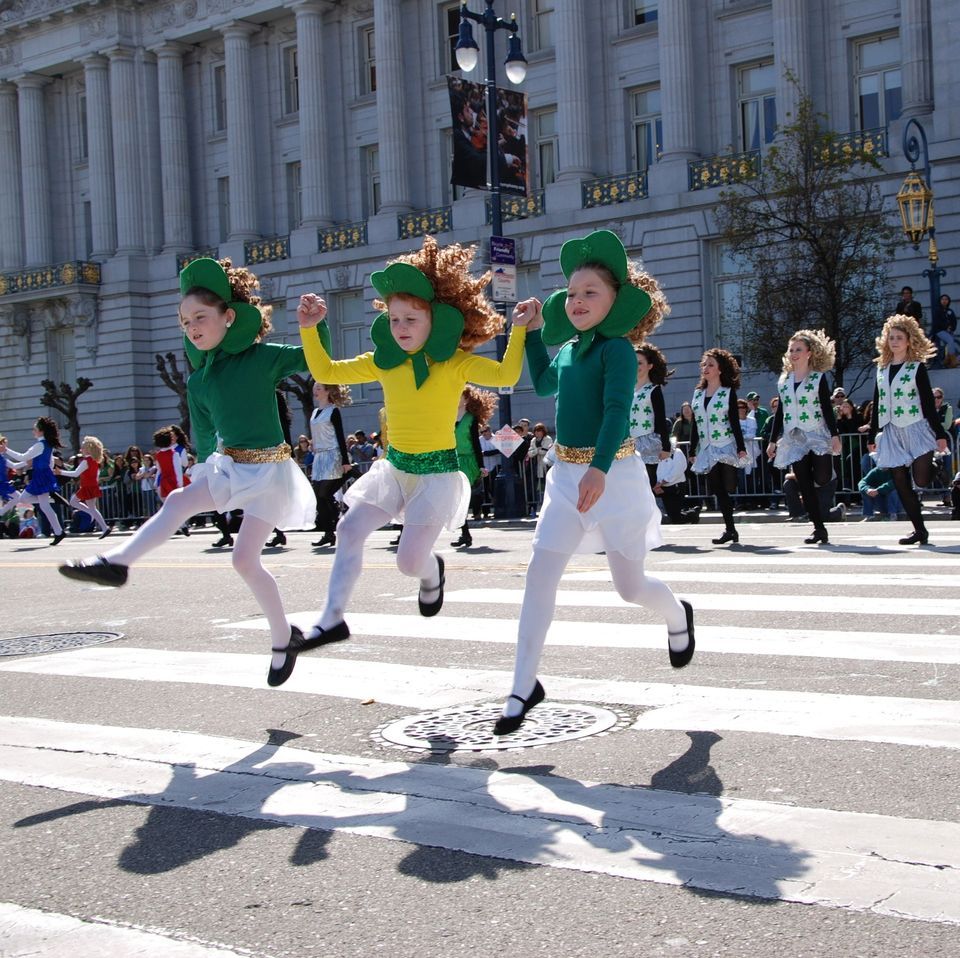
pixel 851 583
pixel 906 868
pixel 29 933
pixel 851 561
pixel 863 718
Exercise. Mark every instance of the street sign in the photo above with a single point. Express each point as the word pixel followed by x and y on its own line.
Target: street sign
pixel 503 263
pixel 507 440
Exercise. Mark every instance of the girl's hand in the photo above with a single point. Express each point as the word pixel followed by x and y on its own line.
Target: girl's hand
pixel 527 314
pixel 941 445
pixel 311 311
pixel 835 445
pixel 346 467
pixel 741 453
pixel 771 450
pixel 591 489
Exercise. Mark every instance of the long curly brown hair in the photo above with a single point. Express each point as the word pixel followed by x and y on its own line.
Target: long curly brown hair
pixel 448 269
pixel 919 348
pixel 480 403
pixel 659 373
pixel 729 368
pixel 242 286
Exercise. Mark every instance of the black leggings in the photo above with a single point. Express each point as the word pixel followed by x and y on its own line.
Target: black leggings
pixel 812 471
pixel 722 480
pixel 328 510
pixel 922 469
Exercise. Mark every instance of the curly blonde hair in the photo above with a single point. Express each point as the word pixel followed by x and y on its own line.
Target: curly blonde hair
pixel 448 269
pixel 919 348
pixel 242 286
pixel 729 368
pixel 480 403
pixel 338 394
pixel 95 447
pixel 823 350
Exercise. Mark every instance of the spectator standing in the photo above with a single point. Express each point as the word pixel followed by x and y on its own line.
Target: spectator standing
pixel 943 330
pixel 538 456
pixel 908 306
pixel 760 413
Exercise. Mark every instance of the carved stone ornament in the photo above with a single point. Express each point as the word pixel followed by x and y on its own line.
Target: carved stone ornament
pixel 341 276
pixel 83 313
pixel 17 316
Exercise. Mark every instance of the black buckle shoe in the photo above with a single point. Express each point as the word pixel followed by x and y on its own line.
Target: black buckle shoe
pixel 277 677
pixel 510 723
pixel 317 636
pixel 97 570
pixel 106 532
pixel 730 535
pixel 279 539
pixel 329 539
pixel 819 535
pixel 57 539
pixel 679 659
pixel 222 541
pixel 915 537
pixel 429 609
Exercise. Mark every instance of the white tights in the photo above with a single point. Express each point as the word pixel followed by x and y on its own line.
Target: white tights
pixel 90 508
pixel 43 504
pixel 540 598
pixel 177 508
pixel 414 558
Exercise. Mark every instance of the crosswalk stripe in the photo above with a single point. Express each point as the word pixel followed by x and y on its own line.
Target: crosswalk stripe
pixel 862 862
pixel 849 583
pixel 727 602
pixel 938 561
pixel 937 648
pixel 865 718
pixel 28 931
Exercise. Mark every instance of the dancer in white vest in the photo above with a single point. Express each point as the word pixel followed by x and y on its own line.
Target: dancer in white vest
pixel 649 425
pixel 716 439
pixel 905 415
pixel 331 461
pixel 804 433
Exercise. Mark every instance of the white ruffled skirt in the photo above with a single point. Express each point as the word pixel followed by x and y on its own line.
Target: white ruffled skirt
pixel 900 445
pixel 709 456
pixel 625 518
pixel 649 448
pixel 277 492
pixel 435 499
pixel 794 444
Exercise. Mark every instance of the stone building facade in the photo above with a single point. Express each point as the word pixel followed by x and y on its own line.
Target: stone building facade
pixel 312 140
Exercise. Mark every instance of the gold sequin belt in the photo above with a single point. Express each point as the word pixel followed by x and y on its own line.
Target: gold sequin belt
pixel 583 455
pixel 257 456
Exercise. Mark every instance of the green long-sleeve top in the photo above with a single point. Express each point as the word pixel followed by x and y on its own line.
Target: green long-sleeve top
pixel 879 479
pixel 234 397
pixel 594 393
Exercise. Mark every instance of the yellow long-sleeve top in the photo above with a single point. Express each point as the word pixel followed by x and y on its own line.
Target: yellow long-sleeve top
pixel 420 420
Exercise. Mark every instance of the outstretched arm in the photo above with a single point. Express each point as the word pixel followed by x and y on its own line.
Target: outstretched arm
pixel 311 313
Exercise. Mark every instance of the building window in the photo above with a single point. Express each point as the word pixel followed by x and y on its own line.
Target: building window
pixel 223 208
pixel 61 359
pixel 219 98
pixel 368 61
pixel 83 140
pixel 370 165
pixel 646 142
pixel 291 81
pixel 756 90
pixel 731 297
pixel 451 191
pixel 450 13
pixel 294 196
pixel 545 141
pixel 878 83
pixel 637 12
pixel 353 333
pixel 543 11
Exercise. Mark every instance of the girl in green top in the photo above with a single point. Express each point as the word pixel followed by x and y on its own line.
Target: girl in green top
pixel 597 493
pixel 474 412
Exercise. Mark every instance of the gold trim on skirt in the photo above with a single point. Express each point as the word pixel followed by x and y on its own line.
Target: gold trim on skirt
pixel 583 455
pixel 259 456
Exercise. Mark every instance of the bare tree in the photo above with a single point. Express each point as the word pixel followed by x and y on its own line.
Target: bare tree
pixel 174 380
pixel 813 233
pixel 63 399
pixel 302 388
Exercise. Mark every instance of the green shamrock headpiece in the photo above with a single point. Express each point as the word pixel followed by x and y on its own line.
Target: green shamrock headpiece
pixel 208 274
pixel 630 306
pixel 446 322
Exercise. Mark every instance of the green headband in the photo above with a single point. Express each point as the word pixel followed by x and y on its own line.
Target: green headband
pixel 208 274
pixel 446 322
pixel 630 306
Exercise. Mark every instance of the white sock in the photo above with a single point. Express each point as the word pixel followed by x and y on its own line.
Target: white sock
pixel 634 585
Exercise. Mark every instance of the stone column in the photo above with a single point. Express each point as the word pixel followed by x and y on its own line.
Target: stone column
pixel 11 205
pixel 103 210
pixel 388 30
pixel 126 146
pixel 790 55
pixel 573 90
pixel 241 137
pixel 174 152
pixel 677 88
pixel 314 185
pixel 34 171
pixel 916 55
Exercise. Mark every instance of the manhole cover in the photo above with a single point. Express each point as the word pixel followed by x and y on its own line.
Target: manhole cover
pixel 55 642
pixel 470 728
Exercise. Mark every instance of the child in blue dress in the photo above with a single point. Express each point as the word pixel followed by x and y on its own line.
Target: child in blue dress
pixel 42 482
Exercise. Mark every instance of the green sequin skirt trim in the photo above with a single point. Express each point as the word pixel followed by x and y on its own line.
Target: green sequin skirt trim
pixel 423 463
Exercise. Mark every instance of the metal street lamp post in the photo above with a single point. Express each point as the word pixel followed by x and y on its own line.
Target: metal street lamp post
pixel 509 494
pixel 915 200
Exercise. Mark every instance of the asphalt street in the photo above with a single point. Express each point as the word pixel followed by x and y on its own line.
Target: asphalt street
pixel 794 792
